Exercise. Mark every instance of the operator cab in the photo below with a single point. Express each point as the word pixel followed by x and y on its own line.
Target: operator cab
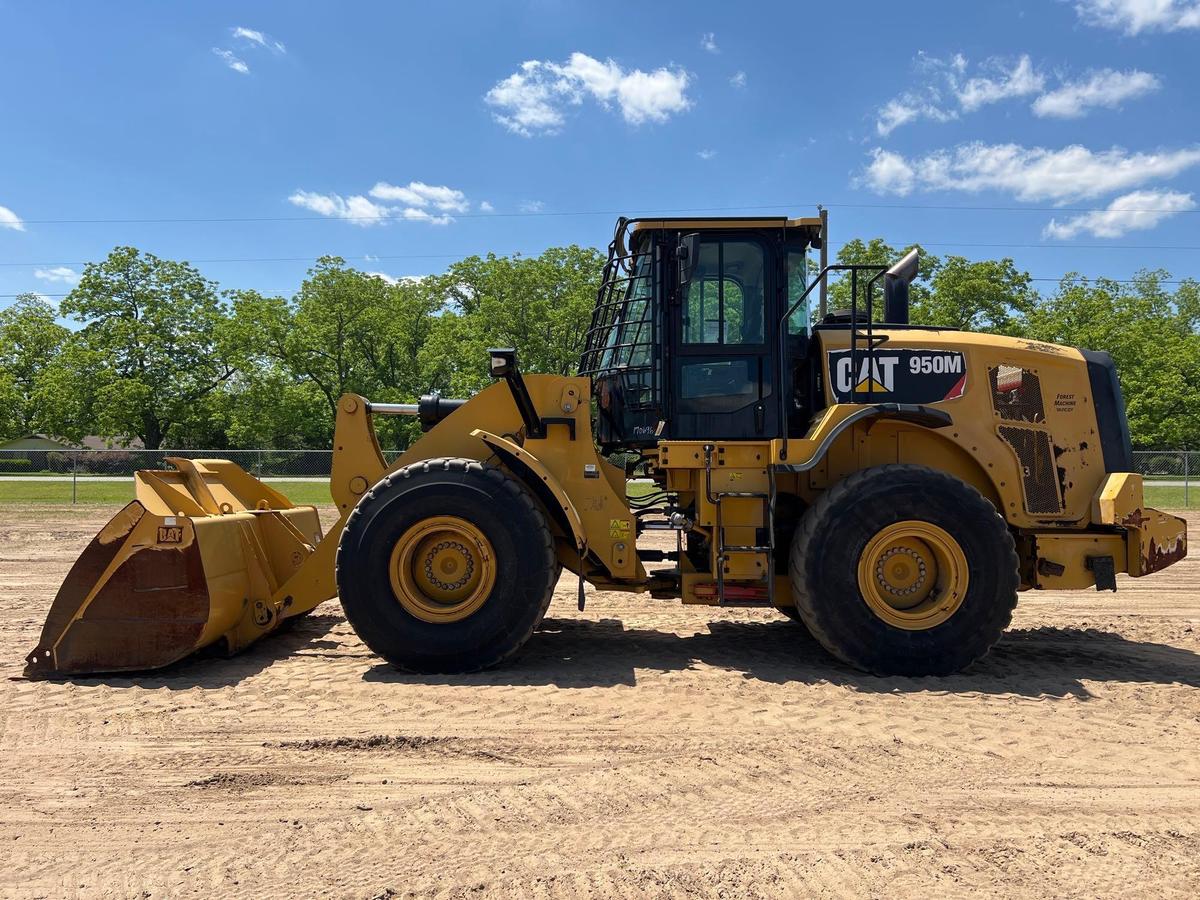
pixel 701 331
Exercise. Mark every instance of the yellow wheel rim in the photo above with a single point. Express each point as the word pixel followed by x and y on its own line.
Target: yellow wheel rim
pixel 442 569
pixel 913 575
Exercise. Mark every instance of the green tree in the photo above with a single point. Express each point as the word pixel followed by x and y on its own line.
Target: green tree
pixel 877 252
pixel 269 408
pixel 1151 334
pixel 345 331
pixel 540 305
pixel 30 341
pixel 148 351
pixel 9 402
pixel 987 295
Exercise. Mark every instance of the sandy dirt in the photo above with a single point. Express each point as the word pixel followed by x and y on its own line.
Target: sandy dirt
pixel 636 749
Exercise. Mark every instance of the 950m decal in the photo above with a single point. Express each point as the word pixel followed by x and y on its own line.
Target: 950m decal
pixel 897 376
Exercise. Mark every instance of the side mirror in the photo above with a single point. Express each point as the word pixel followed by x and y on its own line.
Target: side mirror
pixel 895 288
pixel 687 253
pixel 502 361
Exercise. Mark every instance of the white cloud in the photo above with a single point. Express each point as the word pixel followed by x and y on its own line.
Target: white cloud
pixel 356 209
pixel 1028 173
pixel 235 63
pixel 486 207
pixel 1106 88
pixel 944 92
pixel 1138 211
pixel 738 79
pixel 708 41
pixel 394 279
pixel 414 203
pixel 251 35
pixel 257 37
pixel 1018 81
pixel 889 173
pixel 706 154
pixel 528 100
pixel 532 206
pixel 531 100
pixel 9 219
pixel 420 215
pixel 930 100
pixel 1135 16
pixel 907 108
pixel 60 274
pixel 419 194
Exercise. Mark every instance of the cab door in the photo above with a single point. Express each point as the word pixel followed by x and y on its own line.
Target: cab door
pixel 722 330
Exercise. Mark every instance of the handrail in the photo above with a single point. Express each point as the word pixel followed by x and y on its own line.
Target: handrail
pixel 821 278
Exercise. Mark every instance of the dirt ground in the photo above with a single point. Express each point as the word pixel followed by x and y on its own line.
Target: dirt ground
pixel 636 749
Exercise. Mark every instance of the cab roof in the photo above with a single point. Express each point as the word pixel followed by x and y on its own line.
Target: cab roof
pixel 724 223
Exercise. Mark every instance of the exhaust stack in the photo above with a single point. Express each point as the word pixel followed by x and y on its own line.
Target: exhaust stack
pixel 895 288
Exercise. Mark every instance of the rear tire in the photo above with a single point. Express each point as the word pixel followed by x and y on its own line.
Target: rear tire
pixel 904 570
pixel 446 566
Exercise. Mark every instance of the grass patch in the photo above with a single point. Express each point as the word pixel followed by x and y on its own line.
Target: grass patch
pixel 1167 497
pixel 118 493
pixel 316 493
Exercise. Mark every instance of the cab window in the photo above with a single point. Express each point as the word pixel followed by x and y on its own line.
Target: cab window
pixel 797 281
pixel 725 300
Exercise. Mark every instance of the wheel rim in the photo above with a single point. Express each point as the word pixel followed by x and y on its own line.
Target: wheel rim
pixel 913 575
pixel 442 569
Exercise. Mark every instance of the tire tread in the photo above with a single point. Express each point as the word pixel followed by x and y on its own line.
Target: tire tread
pixel 507 483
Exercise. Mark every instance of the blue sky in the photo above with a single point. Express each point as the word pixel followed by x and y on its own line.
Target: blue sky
pixel 403 136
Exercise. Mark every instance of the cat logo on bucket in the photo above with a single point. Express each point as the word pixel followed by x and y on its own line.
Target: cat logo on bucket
pixel 897 376
pixel 170 534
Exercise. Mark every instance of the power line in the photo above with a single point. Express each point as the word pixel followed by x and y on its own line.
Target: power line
pixel 263 259
pixel 598 212
pixel 1034 278
pixel 404 256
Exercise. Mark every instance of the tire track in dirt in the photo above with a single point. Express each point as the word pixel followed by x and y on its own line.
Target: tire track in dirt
pixel 636 749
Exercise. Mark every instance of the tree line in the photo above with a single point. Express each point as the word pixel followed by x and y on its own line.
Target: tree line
pixel 163 355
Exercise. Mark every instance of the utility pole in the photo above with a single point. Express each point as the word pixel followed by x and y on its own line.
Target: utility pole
pixel 824 262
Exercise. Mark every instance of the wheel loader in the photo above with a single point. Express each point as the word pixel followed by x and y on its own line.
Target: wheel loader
pixel 891 487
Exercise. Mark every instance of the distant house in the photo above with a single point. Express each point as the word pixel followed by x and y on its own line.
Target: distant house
pixel 45 443
pixel 31 453
pixel 35 442
pixel 42 453
pixel 95 442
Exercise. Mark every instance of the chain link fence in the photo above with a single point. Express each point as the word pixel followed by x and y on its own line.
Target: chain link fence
pixel 1168 477
pixel 74 476
pixel 123 463
pixel 105 476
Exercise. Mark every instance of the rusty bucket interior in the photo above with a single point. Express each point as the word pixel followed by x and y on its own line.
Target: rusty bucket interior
pixel 202 556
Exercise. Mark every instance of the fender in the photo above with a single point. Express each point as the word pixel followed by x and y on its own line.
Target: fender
pixel 925 416
pixel 544 485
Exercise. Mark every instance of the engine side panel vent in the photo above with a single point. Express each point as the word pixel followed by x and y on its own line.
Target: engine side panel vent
pixel 1016 394
pixel 1036 457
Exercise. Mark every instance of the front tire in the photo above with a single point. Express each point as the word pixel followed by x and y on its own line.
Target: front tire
pixel 446 566
pixel 904 570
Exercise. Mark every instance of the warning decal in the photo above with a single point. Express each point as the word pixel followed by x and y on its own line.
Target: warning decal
pixel 897 376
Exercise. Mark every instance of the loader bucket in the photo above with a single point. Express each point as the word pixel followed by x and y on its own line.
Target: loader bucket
pixel 200 557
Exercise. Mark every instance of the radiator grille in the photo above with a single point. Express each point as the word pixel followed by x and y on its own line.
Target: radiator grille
pixel 1038 477
pixel 1016 394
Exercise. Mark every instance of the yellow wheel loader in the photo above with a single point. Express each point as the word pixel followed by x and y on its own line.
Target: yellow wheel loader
pixel 893 487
